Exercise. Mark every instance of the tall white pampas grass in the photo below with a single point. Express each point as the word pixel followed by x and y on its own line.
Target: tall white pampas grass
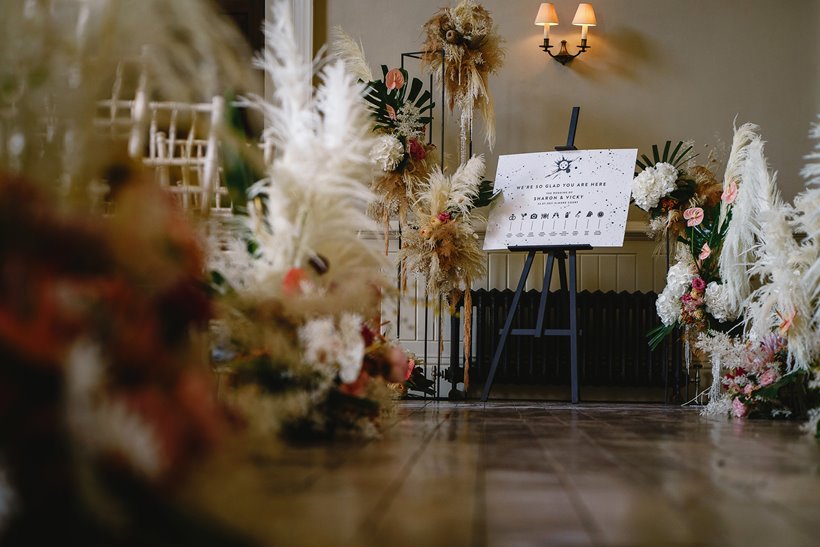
pixel 345 48
pixel 313 202
pixel 757 193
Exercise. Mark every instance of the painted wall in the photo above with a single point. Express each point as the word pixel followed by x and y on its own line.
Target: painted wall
pixel 657 70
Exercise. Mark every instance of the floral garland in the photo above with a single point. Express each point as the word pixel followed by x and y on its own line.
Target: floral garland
pixel 463 39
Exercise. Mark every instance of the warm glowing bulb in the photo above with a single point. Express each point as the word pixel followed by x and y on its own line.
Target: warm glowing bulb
pixel 584 18
pixel 546 17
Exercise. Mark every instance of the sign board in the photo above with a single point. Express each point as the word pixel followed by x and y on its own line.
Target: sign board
pixel 573 197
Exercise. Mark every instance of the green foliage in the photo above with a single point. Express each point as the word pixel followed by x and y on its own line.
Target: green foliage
pixel 658 334
pixel 380 98
pixel 239 172
pixel 677 157
pixel 707 232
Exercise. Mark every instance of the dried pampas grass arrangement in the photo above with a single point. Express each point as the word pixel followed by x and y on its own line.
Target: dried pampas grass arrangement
pixel 445 246
pixel 472 50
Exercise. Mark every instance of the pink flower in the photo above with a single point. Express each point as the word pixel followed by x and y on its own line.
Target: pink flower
pixel 394 79
pixel 729 193
pixel 768 377
pixel 786 322
pixel 391 112
pixel 705 251
pixel 693 216
pixel 739 410
pixel 444 217
pixel 698 284
pixel 416 149
pixel 748 389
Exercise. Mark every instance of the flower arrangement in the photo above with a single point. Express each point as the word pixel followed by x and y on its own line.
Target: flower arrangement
pixel 102 387
pixel 402 158
pixel 444 245
pixel 665 188
pixel 300 289
pixel 401 113
pixel 464 40
pixel 694 297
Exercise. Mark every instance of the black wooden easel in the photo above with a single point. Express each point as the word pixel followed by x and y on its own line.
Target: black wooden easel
pixel 553 253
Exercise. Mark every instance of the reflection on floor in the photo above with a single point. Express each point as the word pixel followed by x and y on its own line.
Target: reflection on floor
pixel 541 474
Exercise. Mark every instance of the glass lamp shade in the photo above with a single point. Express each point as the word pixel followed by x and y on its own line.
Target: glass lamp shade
pixel 585 16
pixel 546 15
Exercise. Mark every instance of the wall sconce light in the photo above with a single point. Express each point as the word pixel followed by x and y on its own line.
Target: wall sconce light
pixel 584 18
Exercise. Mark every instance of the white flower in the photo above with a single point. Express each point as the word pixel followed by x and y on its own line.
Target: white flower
pixel 717 302
pixel 652 184
pixel 678 280
pixel 342 348
pixel 387 152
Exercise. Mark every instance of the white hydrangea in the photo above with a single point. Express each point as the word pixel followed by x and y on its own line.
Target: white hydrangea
pixel 652 184
pixel 717 302
pixel 387 152
pixel 678 280
pixel 342 347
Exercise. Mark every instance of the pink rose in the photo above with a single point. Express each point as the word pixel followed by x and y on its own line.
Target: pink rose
pixel 698 284
pixel 705 251
pixel 729 193
pixel 416 149
pixel 748 389
pixel 394 79
pixel 768 377
pixel 693 216
pixel 739 410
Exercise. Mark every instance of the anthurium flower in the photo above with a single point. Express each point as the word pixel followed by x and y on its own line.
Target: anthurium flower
pixel 693 216
pixel 391 112
pixel 785 322
pixel 729 193
pixel 705 251
pixel 394 79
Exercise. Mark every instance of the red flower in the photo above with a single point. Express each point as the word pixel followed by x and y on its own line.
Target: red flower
pixel 444 217
pixel 292 283
pixel 698 284
pixel 417 150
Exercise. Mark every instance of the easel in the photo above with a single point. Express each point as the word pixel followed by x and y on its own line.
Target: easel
pixel 553 253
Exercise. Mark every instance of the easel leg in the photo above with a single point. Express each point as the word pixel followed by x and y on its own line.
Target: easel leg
pixel 545 290
pixel 499 351
pixel 573 329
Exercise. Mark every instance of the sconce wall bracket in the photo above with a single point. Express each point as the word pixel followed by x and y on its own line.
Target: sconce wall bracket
pixel 563 55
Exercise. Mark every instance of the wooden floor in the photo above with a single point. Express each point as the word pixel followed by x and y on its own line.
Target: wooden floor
pixel 552 474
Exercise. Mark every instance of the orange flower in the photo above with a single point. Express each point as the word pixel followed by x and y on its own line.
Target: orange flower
pixel 394 79
pixel 693 216
pixel 391 112
pixel 292 283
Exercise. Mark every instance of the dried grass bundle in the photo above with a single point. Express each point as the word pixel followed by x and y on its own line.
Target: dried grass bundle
pixel 472 51
pixel 445 246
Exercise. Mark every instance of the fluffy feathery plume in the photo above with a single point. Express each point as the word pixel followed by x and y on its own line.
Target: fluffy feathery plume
pixel 58 58
pixel 345 48
pixel 313 202
pixel 757 193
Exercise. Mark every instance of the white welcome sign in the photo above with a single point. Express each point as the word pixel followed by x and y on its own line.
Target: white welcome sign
pixel 574 197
